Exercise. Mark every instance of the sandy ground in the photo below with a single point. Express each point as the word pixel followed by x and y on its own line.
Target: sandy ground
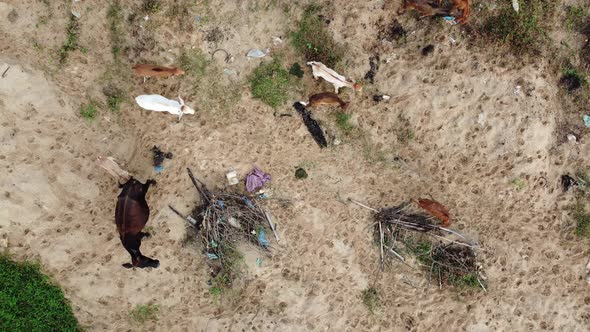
pixel 473 137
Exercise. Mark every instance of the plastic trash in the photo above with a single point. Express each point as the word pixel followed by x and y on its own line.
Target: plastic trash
pixel 232 178
pixel 572 138
pixel 379 98
pixel 515 5
pixel 159 157
pixel 277 40
pixel 234 222
pixel 248 202
pixel 450 20
pixel 258 261
pixel 158 103
pixel 76 13
pixel 220 203
pixel 257 53
pixel 212 256
pixel 262 240
pixel 229 72
pixel 158 169
pixel 256 179
pixel 586 120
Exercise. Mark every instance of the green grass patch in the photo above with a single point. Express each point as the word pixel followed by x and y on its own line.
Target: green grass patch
pixel 151 6
pixel 115 19
pixel 194 62
pixel 270 83
pixel 371 298
pixel 89 111
pixel 525 31
pixel 231 264
pixel 314 41
pixel 30 302
pixel 519 184
pixel 343 121
pixel 71 43
pixel 144 313
pixel 574 17
pixel 582 220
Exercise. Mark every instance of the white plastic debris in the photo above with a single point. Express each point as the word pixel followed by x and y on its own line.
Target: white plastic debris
pixel 481 119
pixel 515 5
pixel 277 41
pixel 452 40
pixel 232 178
pixel 229 72
pixel 76 13
pixel 233 222
pixel 572 138
pixel 158 103
pixel 257 53
pixel 339 81
pixel 517 91
pixel 588 273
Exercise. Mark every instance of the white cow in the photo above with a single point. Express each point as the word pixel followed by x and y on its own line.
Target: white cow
pixel 339 81
pixel 158 103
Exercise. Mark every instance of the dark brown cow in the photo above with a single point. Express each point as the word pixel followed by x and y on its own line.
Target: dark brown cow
pixel 131 215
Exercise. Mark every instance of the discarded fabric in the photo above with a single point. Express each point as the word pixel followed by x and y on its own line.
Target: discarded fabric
pixel 312 125
pixel 212 256
pixel 159 157
pixel 220 204
pixel 248 202
pixel 515 5
pixel 567 182
pixel 158 103
pixel 232 178
pixel 262 240
pixel 587 120
pixel 158 169
pixel 256 179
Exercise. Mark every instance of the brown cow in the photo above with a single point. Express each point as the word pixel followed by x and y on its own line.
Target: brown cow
pixel 131 215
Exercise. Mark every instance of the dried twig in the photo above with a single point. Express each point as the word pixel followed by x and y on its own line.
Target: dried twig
pixel 362 205
pixel 6 71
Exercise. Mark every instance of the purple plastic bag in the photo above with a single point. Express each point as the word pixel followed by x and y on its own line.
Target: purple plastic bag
pixel 256 179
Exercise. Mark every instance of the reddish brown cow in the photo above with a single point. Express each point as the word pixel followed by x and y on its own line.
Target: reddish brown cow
pixel 131 215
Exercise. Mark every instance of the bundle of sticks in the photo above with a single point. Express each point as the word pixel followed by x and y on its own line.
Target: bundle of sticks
pixel 223 218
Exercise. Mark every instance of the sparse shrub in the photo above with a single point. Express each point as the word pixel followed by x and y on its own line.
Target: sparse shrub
pixel 144 313
pixel 89 111
pixel 270 83
pixel 371 298
pixel 314 41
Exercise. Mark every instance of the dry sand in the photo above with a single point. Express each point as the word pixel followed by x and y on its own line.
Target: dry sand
pixel 472 137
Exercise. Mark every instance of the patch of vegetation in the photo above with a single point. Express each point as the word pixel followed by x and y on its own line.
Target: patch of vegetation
pixel 71 44
pixel 342 121
pixel 194 62
pixel 115 97
pixel 525 31
pixel 404 130
pixel 574 17
pixel 572 79
pixel 296 70
pixel 582 220
pixel 230 268
pixel 30 302
pixel 519 184
pixel 270 83
pixel 314 41
pixel 371 298
pixel 144 313
pixel 151 6
pixel 89 111
pixel 115 18
pixel 300 173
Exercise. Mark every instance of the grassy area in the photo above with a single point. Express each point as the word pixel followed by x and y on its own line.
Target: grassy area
pixel 151 6
pixel 343 121
pixel 582 220
pixel 270 83
pixel 71 43
pixel 314 41
pixel 89 111
pixel 404 130
pixel 194 62
pixel 371 298
pixel 575 17
pixel 30 302
pixel 231 265
pixel 144 313
pixel 525 31
pixel 115 18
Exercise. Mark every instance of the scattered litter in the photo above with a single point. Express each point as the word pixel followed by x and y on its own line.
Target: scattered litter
pixel 312 125
pixel 515 5
pixel 212 256
pixel 228 57
pixel 437 210
pixel 76 14
pixel 158 103
pixel 229 72
pixel 339 81
pixel 156 71
pixel 452 40
pixel 147 17
pixel 481 119
pixel 586 120
pixel 337 141
pixel 257 53
pixel 567 182
pixel 232 178
pixel 374 67
pixel 5 71
pixel 379 98
pixel 427 50
pixel 262 240
pixel 234 222
pixel 296 70
pixel 189 218
pixel 300 174
pixel 258 261
pixel 159 157
pixel 256 179
pixel 198 19
pixel 110 165
pixel 277 41
pixel 450 20
pixel 517 90
pixel 572 138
